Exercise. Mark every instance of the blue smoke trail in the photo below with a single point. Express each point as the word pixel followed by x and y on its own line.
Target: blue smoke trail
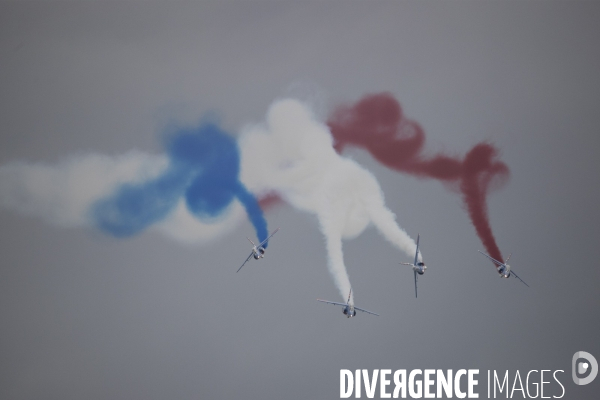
pixel 254 213
pixel 204 166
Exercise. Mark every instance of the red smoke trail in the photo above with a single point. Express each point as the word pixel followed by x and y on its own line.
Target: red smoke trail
pixel 269 201
pixel 376 123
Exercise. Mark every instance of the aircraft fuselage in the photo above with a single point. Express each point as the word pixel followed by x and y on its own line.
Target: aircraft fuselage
pixel 504 271
pixel 258 252
pixel 420 268
pixel 349 311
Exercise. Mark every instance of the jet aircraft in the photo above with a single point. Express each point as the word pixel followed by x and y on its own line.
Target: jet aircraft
pixel 503 268
pixel 258 251
pixel 349 309
pixel 418 267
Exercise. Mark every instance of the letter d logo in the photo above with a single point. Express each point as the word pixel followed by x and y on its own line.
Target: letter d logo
pixel 583 367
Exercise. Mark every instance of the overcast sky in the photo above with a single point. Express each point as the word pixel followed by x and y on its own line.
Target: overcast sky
pixel 88 316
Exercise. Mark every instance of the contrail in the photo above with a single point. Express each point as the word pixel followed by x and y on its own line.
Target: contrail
pixel 377 124
pixel 292 156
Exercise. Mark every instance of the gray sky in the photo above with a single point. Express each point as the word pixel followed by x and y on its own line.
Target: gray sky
pixel 88 316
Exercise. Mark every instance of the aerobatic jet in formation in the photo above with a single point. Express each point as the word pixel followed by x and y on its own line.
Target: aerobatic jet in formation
pixel 503 268
pixel 258 251
pixel 349 309
pixel 418 267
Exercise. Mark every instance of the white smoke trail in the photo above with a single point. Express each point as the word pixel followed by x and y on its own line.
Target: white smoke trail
pixel 63 193
pixel 293 156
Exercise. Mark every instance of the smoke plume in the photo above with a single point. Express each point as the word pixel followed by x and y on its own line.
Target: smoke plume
pixel 292 156
pixel 204 165
pixel 376 123
pixel 192 194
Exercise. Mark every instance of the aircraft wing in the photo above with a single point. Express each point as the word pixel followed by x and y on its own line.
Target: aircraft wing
pixel 493 259
pixel 267 239
pixel 415 282
pixel 363 310
pixel 245 262
pixel 516 276
pixel 332 302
